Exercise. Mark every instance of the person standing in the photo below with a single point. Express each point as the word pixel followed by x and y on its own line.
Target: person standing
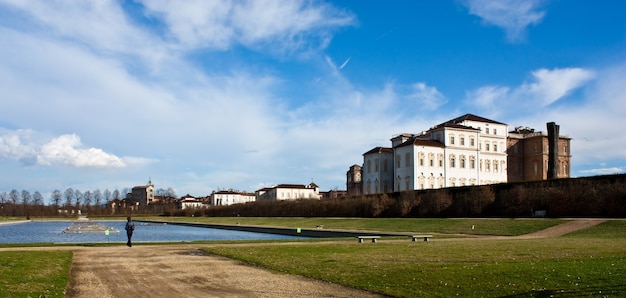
pixel 130 227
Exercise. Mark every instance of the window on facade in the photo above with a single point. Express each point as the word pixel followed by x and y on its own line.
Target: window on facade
pixel 451 140
pixel 369 166
pixel 407 182
pixel 495 147
pixel 407 159
pixel 421 161
pixel 472 163
pixel 495 131
pixel 462 141
pixel 385 165
pixel 487 165
pixel 487 130
pixel 432 163
pixel 376 165
pixel 452 162
pixel 472 142
pixel 495 166
pixel 565 149
pixel 462 162
pixel 398 161
pixel 440 162
pixel 487 147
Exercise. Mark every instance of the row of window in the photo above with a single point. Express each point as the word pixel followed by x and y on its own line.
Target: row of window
pixel 489 146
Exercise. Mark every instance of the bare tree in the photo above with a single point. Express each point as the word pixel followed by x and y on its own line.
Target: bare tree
pixel 69 196
pixel 4 196
pixel 14 196
pixel 78 198
pixel 171 192
pixel 56 197
pixel 97 197
pixel 37 198
pixel 26 197
pixel 116 194
pixel 87 198
pixel 107 196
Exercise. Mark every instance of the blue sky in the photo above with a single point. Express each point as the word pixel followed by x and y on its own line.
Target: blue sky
pixel 207 95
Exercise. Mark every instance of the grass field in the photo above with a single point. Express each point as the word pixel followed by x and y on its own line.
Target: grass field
pixel 590 262
pixel 34 273
pixel 504 227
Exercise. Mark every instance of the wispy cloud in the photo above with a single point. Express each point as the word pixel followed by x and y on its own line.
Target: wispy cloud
pixel 286 25
pixel 427 97
pixel 603 171
pixel 345 63
pixel 546 88
pixel 512 16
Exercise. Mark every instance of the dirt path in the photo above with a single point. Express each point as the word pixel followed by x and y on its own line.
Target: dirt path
pixel 184 271
pixel 564 228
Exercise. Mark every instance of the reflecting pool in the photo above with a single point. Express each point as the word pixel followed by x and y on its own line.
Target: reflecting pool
pixel 53 231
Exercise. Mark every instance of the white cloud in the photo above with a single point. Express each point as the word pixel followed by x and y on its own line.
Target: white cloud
pixel 64 150
pixel 100 25
pixel 551 85
pixel 603 171
pixel 513 16
pixel 487 97
pixel 426 96
pixel 547 87
pixel 67 150
pixel 288 25
pixel 12 147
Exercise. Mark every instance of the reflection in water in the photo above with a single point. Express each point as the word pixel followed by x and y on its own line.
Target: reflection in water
pixel 53 231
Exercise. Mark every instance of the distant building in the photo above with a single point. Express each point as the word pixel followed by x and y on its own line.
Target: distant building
pixel 230 197
pixel 354 181
pixel 288 192
pixel 378 171
pixel 190 202
pixel 333 194
pixel 528 155
pixel 142 195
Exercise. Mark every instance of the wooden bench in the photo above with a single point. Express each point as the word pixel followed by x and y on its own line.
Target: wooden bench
pixel 415 237
pixel 367 237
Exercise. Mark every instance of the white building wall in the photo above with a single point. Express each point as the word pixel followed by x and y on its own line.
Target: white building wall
pixel 429 172
pixel 378 170
pixel 230 198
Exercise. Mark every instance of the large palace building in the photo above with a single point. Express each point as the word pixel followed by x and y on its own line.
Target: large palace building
pixel 468 150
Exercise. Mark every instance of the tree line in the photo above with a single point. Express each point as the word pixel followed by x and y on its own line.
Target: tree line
pixel 68 202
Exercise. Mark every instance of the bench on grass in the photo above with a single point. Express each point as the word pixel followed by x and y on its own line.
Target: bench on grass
pixel 415 237
pixel 367 237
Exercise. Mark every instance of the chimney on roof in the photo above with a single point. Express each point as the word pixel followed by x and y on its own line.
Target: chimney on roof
pixel 553 155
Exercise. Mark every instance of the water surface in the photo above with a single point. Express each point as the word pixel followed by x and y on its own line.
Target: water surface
pixel 52 231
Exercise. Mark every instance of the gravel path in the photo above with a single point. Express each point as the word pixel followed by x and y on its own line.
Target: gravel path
pixel 184 271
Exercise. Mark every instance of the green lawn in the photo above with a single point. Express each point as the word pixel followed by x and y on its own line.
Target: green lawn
pixel 34 273
pixel 508 227
pixel 575 265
